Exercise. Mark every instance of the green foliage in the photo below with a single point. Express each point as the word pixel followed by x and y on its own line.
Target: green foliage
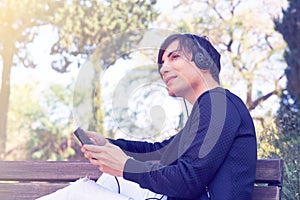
pixel 19 20
pixel 288 117
pixel 291 182
pixel 266 133
pixel 51 135
pixel 290 30
pixel 83 25
pixel 288 144
pixel 41 122
pixel 105 29
pixel 24 111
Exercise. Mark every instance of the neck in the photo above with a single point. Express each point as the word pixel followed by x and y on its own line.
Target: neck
pixel 209 84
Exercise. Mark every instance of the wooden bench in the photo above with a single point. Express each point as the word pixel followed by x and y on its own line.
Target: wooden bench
pixel 268 180
pixel 27 180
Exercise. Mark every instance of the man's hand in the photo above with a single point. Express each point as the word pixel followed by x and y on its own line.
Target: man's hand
pixel 109 158
pixel 97 138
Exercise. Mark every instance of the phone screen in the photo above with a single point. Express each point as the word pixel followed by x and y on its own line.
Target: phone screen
pixel 82 136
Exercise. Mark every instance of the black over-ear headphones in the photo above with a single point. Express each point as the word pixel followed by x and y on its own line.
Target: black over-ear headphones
pixel 200 56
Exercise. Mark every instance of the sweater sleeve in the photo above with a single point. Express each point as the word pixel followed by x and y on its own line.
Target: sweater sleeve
pixel 143 151
pixel 202 146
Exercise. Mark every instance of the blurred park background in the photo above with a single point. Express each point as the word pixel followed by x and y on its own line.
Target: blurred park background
pixel 45 43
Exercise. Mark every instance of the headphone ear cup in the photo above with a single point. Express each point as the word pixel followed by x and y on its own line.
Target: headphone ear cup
pixel 201 62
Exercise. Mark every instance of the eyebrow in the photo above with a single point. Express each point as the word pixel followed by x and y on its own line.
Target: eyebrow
pixel 169 54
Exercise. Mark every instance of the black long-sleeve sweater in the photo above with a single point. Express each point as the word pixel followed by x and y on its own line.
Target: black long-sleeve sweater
pixel 212 157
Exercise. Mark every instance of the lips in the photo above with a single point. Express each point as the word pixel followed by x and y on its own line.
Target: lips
pixel 168 78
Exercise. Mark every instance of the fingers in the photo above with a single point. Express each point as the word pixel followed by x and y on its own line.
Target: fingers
pixel 96 148
pixel 92 136
pixel 94 152
pixel 97 138
pixel 111 171
pixel 109 158
pixel 91 133
pixel 108 166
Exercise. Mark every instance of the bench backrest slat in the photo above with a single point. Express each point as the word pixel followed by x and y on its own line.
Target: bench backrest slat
pixel 27 191
pixel 269 176
pixel 269 171
pixel 266 193
pixel 47 170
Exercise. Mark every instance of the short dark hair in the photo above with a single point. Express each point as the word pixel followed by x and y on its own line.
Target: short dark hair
pixel 186 44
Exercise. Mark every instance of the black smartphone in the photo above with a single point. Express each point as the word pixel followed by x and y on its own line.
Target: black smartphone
pixel 82 136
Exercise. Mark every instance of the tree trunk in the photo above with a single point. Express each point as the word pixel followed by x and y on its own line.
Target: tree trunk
pixel 4 97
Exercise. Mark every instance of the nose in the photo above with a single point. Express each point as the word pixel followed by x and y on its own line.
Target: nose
pixel 164 69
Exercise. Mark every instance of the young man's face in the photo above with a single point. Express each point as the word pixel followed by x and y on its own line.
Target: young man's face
pixel 180 74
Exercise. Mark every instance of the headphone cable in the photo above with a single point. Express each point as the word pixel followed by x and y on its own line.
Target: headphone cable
pixel 186 108
pixel 119 188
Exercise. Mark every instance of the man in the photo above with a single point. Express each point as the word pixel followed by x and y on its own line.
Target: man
pixel 212 157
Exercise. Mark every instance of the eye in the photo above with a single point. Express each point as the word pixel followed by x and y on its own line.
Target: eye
pixel 174 56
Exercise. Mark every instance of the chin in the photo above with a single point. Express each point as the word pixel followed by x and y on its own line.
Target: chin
pixel 172 94
pixel 177 93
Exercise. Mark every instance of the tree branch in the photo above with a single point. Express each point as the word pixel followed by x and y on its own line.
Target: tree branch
pixel 255 103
